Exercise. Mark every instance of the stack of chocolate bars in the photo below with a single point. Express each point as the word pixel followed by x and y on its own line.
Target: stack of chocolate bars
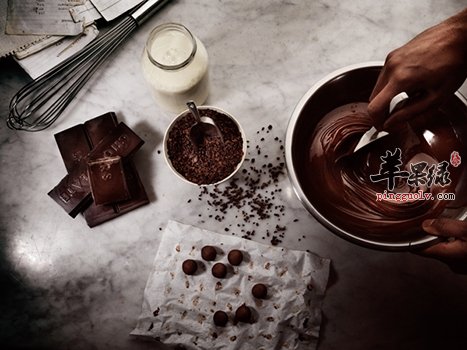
pixel 102 180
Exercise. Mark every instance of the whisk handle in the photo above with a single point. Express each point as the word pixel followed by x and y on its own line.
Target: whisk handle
pixel 147 10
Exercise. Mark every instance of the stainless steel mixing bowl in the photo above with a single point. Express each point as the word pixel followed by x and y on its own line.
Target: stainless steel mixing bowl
pixel 346 85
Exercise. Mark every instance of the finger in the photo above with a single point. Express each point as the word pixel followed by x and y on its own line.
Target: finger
pixel 412 108
pixel 447 251
pixel 378 108
pixel 446 228
pixel 380 83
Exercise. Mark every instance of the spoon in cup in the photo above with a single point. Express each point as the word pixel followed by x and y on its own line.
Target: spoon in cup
pixel 203 127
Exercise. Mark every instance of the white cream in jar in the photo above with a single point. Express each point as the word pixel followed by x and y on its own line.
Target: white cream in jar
pixel 175 64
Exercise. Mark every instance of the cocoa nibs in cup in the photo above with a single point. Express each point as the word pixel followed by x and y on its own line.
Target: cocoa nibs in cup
pixel 213 160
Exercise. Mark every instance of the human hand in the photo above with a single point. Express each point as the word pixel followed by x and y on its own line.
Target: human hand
pixel 452 251
pixel 429 68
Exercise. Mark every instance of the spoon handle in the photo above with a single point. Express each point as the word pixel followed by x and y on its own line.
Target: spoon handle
pixel 194 110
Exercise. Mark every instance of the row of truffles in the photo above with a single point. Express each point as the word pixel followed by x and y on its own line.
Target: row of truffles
pixel 209 253
pixel 219 270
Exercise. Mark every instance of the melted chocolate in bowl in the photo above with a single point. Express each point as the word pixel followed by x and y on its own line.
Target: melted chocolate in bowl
pixel 336 183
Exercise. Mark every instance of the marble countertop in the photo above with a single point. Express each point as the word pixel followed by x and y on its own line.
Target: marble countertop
pixel 66 286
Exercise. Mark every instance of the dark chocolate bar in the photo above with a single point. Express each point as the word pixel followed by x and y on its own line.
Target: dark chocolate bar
pixel 97 131
pixel 72 194
pixel 121 141
pixel 108 181
pixel 98 214
pixel 74 145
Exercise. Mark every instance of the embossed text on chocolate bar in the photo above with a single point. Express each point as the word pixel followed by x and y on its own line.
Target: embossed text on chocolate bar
pixel 108 182
pixel 72 194
pixel 122 141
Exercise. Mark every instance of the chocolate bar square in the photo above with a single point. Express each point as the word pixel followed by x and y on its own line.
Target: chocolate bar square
pixel 73 145
pixel 108 181
pixel 99 127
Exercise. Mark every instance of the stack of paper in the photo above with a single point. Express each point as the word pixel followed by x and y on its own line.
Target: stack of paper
pixel 41 34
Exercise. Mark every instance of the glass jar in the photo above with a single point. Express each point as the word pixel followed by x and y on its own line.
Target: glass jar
pixel 175 64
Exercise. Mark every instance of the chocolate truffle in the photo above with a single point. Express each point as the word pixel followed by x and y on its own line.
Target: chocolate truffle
pixel 219 270
pixel 243 314
pixel 220 318
pixel 189 267
pixel 259 291
pixel 208 253
pixel 235 257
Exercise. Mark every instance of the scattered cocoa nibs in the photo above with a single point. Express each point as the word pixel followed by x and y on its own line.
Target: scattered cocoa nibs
pixel 208 253
pixel 220 318
pixel 235 257
pixel 243 314
pixel 275 240
pixel 219 270
pixel 189 266
pixel 259 291
pixel 253 191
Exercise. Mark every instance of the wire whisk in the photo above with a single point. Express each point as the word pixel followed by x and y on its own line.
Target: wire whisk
pixel 38 104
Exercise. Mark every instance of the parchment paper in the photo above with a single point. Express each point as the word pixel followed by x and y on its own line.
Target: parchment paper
pixel 178 309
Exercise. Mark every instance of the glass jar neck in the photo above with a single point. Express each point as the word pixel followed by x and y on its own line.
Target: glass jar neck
pixel 171 46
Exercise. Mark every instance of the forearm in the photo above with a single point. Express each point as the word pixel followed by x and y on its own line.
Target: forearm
pixel 458 28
